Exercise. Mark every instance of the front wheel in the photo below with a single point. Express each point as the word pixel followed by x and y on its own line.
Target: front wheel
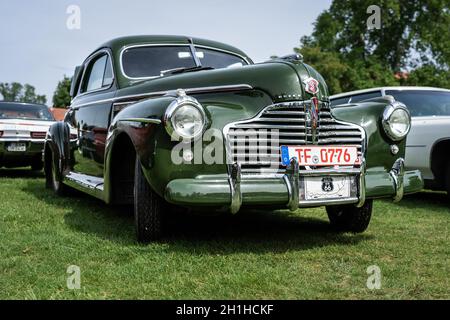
pixel 147 208
pixel 351 218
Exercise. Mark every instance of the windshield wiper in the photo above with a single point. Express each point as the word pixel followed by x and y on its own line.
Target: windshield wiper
pixel 182 70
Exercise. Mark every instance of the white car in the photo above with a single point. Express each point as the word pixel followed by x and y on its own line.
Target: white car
pixel 23 127
pixel 428 143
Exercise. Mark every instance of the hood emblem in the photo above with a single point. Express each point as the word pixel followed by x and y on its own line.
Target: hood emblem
pixel 311 85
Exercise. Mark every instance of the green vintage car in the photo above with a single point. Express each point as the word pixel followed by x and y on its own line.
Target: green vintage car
pixel 162 121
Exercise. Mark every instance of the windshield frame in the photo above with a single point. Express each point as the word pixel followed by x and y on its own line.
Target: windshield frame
pixel 21 104
pixel 192 47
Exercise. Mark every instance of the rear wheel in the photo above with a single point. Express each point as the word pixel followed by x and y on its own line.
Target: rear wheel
pixel 147 208
pixel 350 218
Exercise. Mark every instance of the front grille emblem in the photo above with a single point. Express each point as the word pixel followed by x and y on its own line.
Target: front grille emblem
pixel 313 119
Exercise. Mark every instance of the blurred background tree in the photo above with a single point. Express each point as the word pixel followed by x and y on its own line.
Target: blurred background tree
pixel 412 47
pixel 21 93
pixel 61 97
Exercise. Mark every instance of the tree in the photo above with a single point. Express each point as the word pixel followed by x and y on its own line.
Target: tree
pixel 413 37
pixel 21 93
pixel 61 97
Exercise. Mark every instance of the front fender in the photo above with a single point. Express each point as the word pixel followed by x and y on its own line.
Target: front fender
pixel 154 146
pixel 368 115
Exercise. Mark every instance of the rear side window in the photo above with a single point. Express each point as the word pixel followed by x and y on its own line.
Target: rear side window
pixel 423 102
pixel 365 96
pixel 98 74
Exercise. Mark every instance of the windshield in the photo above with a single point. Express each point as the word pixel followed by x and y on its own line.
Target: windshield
pixel 423 103
pixel 25 111
pixel 153 61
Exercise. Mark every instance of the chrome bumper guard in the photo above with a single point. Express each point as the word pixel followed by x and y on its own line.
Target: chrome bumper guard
pixel 397 173
pixel 235 187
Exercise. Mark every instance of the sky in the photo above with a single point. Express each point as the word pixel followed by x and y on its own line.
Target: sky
pixel 38 48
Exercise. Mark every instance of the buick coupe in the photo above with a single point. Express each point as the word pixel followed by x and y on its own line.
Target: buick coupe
pixel 160 121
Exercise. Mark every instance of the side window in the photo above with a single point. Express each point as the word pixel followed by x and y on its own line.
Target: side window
pixel 108 77
pixel 98 74
pixel 338 101
pixel 365 96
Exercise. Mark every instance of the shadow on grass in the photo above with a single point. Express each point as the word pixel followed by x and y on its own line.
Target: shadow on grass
pixel 429 200
pixel 250 231
pixel 24 173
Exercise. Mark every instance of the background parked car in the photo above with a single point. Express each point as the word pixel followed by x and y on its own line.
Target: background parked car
pixel 23 127
pixel 428 142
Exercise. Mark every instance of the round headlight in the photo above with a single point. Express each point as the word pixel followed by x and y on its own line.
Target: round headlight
pixel 396 121
pixel 185 118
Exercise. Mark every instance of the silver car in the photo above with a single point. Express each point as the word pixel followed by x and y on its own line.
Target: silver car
pixel 23 127
pixel 428 143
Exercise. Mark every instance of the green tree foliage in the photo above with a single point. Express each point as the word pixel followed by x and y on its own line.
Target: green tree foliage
pixel 21 93
pixel 413 37
pixel 61 97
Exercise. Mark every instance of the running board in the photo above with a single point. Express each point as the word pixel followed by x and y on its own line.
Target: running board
pixel 83 182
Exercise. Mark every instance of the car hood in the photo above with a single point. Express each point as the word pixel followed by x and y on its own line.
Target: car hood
pixel 282 80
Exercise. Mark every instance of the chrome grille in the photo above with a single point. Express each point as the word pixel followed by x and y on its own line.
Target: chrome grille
pixel 290 124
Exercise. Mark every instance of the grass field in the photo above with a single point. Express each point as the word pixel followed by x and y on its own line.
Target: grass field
pixel 276 255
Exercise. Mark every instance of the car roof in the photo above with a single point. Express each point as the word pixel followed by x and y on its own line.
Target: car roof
pixel 118 43
pixel 401 88
pixel 24 103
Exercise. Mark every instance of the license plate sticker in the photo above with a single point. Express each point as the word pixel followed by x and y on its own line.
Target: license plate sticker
pixel 16 147
pixel 320 155
pixel 327 187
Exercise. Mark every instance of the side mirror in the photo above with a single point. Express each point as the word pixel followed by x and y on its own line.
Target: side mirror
pixel 76 81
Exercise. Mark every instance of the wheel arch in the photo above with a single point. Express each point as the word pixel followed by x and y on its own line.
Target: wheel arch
pixel 438 160
pixel 119 169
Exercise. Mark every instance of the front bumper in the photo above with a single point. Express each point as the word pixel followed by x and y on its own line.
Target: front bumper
pixel 235 190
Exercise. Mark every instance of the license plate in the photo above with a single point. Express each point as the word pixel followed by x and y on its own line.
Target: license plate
pixel 16 147
pixel 327 187
pixel 320 155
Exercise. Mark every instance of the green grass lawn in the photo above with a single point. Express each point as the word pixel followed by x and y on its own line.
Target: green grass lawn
pixel 254 255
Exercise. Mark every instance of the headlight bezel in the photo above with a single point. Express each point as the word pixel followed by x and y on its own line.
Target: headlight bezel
pixel 386 120
pixel 182 101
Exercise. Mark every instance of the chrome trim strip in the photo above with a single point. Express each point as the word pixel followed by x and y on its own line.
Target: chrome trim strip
pixel 235 187
pixel 142 120
pixel 170 45
pixel 142 96
pixel 397 173
pixel 327 202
